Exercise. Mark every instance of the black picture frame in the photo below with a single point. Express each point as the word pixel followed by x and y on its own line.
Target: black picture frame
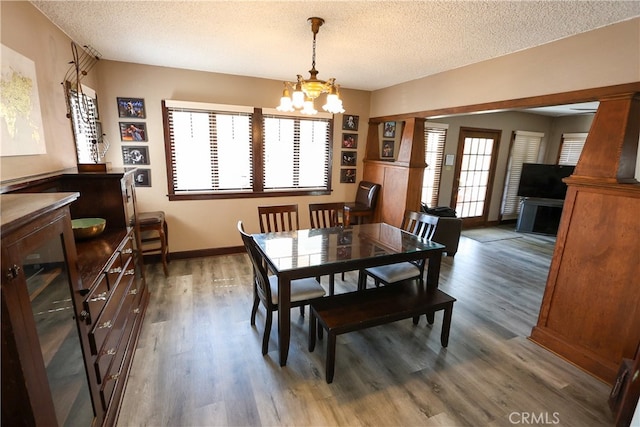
pixel 350 140
pixel 348 158
pixel 387 149
pixel 142 177
pixel 389 130
pixel 135 155
pixel 350 122
pixel 132 108
pixel 348 176
pixel 133 131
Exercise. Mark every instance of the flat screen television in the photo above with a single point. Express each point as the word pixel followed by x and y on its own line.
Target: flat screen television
pixel 543 181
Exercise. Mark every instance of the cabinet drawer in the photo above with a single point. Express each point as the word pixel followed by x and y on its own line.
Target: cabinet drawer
pixel 127 250
pixel 105 322
pixel 115 370
pixel 115 336
pixel 97 299
pixel 113 270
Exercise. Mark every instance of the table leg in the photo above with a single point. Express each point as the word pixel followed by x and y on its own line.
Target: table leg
pixel 284 317
pixel 433 270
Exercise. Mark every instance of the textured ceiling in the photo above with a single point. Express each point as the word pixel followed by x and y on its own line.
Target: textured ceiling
pixel 363 44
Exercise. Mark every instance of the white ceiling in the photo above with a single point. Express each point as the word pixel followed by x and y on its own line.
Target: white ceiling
pixel 365 45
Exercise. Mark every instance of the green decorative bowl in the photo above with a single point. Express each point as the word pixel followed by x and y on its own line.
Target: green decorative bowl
pixel 86 228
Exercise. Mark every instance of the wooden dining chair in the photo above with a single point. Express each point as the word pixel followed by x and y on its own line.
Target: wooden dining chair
pixel 278 218
pixel 325 215
pixel 266 288
pixel 423 226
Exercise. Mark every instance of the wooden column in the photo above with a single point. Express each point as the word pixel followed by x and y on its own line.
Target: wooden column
pixel 401 179
pixel 590 312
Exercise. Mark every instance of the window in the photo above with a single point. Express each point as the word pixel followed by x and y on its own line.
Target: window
pixel 87 131
pixel 525 148
pixel 292 147
pixel 435 135
pixel 571 148
pixel 213 152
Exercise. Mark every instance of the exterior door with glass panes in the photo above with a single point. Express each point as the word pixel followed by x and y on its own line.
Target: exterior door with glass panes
pixel 474 173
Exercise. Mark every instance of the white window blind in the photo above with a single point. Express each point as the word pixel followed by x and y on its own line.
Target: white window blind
pixel 571 148
pixel 435 135
pixel 85 126
pixel 296 152
pixel 524 149
pixel 210 150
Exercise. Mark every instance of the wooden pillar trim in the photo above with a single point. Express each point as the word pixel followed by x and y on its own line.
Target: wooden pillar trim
pixel 591 305
pixel 611 148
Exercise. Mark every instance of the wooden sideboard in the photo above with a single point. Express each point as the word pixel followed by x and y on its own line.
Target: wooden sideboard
pixel 72 311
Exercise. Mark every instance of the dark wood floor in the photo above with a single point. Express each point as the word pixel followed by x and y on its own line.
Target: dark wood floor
pixel 199 361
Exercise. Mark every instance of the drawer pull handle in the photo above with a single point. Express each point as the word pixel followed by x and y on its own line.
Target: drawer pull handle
pixel 133 292
pixel 106 324
pixel 84 315
pixel 113 377
pixel 130 272
pixel 110 352
pixel 99 297
pixel 136 310
pixel 127 251
pixel 115 270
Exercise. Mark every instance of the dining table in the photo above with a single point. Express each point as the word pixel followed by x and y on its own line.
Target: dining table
pixel 318 252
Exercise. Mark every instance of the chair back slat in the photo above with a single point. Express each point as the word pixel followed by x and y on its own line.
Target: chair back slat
pixel 278 218
pixel 324 215
pixel 420 224
pixel 260 274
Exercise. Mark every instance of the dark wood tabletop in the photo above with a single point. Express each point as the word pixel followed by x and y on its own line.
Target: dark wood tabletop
pixel 318 252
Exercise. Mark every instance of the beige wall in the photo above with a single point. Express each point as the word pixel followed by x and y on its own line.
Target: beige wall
pixel 600 58
pixel 203 224
pixel 25 30
pixel 507 122
pixel 604 57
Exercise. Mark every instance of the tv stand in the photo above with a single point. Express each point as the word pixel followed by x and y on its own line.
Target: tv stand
pixel 539 215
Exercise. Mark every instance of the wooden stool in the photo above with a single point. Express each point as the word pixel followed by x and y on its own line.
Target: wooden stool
pixel 154 222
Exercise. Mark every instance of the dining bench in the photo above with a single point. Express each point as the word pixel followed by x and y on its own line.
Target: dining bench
pixel 354 311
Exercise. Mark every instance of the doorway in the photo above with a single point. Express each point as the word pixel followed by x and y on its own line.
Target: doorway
pixel 474 173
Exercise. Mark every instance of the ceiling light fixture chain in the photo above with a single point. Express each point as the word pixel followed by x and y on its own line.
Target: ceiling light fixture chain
pixel 305 92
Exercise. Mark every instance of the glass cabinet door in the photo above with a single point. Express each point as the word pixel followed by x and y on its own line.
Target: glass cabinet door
pixel 50 294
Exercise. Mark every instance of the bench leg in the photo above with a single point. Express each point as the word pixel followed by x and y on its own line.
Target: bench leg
pixel 312 330
pixel 431 317
pixel 331 357
pixel 446 325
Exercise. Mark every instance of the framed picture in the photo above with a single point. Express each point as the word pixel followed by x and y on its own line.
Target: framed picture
pixel 350 122
pixel 348 176
pixel 130 131
pixel 387 149
pixel 349 140
pixel 142 177
pixel 132 108
pixel 389 130
pixel 348 158
pixel 135 155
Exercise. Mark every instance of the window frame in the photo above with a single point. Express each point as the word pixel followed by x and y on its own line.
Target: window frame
pixel 439 132
pixel 526 147
pixel 257 161
pixel 572 143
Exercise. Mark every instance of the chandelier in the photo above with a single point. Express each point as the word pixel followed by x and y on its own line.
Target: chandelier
pixel 306 91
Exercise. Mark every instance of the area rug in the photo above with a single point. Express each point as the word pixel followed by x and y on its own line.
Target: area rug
pixel 491 234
